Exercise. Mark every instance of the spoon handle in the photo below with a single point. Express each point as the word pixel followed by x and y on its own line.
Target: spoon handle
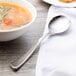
pixel 15 65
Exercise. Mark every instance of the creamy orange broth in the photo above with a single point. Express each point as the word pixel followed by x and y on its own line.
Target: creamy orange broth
pixel 67 1
pixel 14 16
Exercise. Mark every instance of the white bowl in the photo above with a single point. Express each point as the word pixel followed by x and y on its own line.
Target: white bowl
pixel 6 35
pixel 61 4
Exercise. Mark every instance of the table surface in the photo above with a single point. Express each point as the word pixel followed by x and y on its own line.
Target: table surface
pixel 12 50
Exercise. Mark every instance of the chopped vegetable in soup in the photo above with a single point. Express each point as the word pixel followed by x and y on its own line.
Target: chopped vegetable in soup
pixel 13 16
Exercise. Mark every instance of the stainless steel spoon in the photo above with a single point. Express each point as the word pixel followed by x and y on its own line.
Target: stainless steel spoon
pixel 57 25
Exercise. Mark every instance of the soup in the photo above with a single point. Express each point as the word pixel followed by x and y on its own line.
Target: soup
pixel 13 16
pixel 67 1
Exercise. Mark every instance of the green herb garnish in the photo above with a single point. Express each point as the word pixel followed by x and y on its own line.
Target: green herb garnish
pixel 3 12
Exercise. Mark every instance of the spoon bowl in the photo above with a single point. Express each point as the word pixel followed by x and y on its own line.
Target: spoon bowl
pixel 58 24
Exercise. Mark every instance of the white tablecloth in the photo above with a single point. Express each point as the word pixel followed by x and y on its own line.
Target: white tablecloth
pixel 57 56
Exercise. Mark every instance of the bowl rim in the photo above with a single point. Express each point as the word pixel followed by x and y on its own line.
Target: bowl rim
pixel 61 4
pixel 24 25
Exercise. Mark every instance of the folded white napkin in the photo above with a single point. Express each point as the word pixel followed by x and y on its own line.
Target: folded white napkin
pixel 57 56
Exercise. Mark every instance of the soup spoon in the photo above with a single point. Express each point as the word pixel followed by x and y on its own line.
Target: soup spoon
pixel 57 25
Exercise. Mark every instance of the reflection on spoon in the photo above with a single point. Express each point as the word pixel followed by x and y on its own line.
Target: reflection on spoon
pixel 56 25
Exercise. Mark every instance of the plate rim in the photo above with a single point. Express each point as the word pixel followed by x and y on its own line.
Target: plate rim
pixel 70 5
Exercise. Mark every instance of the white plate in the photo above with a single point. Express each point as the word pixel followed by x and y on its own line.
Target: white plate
pixel 61 4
